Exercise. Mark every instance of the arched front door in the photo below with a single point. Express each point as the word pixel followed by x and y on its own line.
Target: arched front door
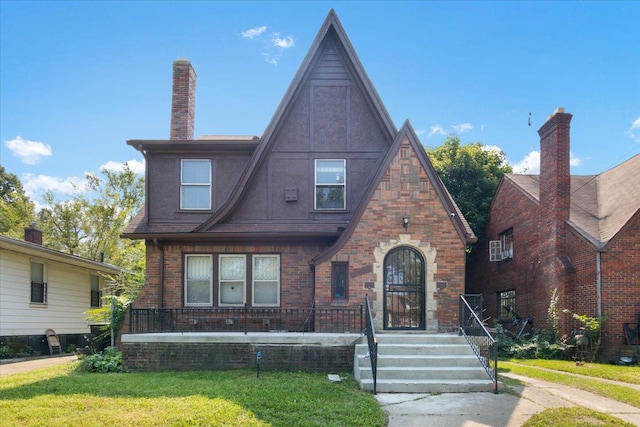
pixel 404 283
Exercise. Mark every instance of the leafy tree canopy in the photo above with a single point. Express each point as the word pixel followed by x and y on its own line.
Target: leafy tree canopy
pixel 471 173
pixel 17 211
pixel 89 225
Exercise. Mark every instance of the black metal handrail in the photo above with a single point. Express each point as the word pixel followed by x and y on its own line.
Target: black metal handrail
pixel 479 337
pixel 246 319
pixel 372 342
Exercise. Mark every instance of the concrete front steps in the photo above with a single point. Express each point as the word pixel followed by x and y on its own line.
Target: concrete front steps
pixel 421 363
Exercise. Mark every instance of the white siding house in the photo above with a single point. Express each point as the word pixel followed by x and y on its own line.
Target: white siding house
pixel 42 289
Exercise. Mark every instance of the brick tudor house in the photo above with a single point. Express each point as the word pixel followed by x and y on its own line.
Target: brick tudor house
pixel 330 204
pixel 579 235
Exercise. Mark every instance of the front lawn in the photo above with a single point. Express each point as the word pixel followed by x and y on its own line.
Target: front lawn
pixel 62 395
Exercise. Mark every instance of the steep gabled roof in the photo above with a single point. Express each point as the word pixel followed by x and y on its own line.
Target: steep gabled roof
pixel 330 28
pixel 601 205
pixel 459 222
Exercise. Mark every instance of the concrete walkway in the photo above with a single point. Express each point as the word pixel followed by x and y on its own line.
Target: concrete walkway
pixel 504 409
pixel 30 365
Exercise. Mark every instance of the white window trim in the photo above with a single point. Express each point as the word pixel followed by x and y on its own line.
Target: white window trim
pixel 253 281
pixel 498 250
pixel 44 281
pixel 186 281
pixel 193 184
pixel 244 286
pixel 343 183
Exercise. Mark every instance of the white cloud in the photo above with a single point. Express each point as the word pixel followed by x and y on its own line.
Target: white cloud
pixel 531 163
pixel 253 32
pixel 135 165
pixel 274 43
pixel 634 130
pixel 420 131
pixel 29 151
pixel 437 130
pixel 35 186
pixel 282 43
pixel 463 127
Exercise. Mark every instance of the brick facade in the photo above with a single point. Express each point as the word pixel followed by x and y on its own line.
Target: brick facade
pixel 550 252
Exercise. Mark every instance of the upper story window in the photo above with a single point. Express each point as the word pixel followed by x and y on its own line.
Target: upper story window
pixel 195 184
pixel 500 250
pixel 38 284
pixel 95 291
pixel 330 184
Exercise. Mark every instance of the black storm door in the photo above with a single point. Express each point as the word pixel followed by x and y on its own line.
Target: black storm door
pixel 404 283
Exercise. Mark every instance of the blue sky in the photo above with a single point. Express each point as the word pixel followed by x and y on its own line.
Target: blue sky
pixel 79 79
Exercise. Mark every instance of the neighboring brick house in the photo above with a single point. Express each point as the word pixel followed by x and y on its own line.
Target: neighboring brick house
pixel 577 234
pixel 331 203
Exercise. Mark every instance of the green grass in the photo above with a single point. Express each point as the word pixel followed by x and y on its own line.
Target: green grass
pixel 552 371
pixel 576 416
pixel 62 395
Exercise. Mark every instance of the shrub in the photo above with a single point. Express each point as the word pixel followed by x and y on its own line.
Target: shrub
pixel 5 351
pixel 110 360
pixel 530 346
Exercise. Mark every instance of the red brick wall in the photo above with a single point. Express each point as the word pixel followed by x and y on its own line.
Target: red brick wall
pixel 296 278
pixel 405 189
pixel 620 264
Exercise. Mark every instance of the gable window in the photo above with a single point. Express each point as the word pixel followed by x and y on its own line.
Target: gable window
pixel 232 279
pixel 339 280
pixel 500 250
pixel 507 305
pixel 95 291
pixel 38 285
pixel 266 280
pixel 330 184
pixel 197 283
pixel 195 184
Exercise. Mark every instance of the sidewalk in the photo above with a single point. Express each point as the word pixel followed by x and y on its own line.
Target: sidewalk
pixel 488 409
pixel 29 365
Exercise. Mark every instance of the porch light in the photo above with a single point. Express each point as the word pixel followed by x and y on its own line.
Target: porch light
pixel 405 221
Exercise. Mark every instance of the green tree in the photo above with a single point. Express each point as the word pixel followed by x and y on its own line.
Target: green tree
pixel 90 224
pixel 17 211
pixel 471 173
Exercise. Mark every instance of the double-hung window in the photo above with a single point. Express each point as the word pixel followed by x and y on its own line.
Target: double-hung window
pixel 330 184
pixel 232 271
pixel 95 291
pixel 195 184
pixel 266 280
pixel 38 284
pixel 197 283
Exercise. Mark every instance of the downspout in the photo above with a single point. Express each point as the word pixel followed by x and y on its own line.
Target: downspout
pixel 161 291
pixel 599 283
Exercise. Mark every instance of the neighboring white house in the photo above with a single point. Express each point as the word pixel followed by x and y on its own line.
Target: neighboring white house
pixel 41 288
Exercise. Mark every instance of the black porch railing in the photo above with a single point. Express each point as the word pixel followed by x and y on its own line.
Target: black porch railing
pixel 478 336
pixel 246 319
pixel 373 343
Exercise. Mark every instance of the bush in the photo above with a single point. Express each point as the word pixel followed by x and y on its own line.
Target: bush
pixel 5 351
pixel 108 361
pixel 530 346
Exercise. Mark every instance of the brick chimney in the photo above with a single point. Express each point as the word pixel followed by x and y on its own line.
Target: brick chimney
pixel 555 180
pixel 33 234
pixel 183 102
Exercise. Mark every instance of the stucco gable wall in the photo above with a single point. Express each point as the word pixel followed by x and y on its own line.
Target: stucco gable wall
pixel 405 189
